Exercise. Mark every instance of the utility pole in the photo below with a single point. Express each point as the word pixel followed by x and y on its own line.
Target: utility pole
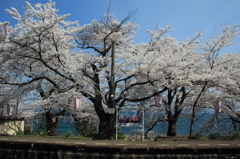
pixel 112 94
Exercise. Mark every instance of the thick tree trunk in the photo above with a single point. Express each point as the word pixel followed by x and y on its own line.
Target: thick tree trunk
pixel 50 125
pixel 107 121
pixel 107 127
pixel 172 130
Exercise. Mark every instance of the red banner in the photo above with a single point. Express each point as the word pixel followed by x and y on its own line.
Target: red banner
pixel 10 109
pixel 77 103
pixel 11 106
pixel 53 120
pixel 158 100
pixel 218 108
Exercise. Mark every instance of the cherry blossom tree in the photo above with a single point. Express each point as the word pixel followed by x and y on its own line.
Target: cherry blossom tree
pixel 45 48
pixel 30 50
pixel 194 74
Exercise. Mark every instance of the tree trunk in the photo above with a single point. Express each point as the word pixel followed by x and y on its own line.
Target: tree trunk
pixel 50 125
pixel 172 131
pixel 107 121
pixel 193 109
pixel 107 127
pixel 191 127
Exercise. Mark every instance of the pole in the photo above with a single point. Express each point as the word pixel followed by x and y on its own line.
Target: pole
pixel 143 123
pixel 112 82
pixel 112 92
pixel 31 127
pixel 116 122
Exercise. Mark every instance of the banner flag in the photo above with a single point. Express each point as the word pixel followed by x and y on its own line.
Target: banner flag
pixel 158 100
pixel 53 120
pixel 10 109
pixel 77 103
pixel 218 108
pixel 11 105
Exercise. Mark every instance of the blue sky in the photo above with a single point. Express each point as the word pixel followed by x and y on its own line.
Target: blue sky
pixel 186 16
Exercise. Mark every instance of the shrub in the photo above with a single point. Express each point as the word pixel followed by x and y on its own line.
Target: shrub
pixel 214 136
pixel 68 134
pixel 27 131
pixel 120 136
pixel 42 126
pixel 19 133
pixel 234 135
pixel 197 136
pixel 84 129
pixel 42 133
pixel 82 137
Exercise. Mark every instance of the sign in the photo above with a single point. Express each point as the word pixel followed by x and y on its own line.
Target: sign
pixel 77 103
pixel 158 100
pixel 111 110
pixel 130 116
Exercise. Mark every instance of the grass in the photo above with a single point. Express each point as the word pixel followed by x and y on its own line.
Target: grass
pixel 214 136
pixel 35 135
pixel 69 134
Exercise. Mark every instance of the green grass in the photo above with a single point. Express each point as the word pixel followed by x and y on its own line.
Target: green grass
pixel 214 136
pixel 69 134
